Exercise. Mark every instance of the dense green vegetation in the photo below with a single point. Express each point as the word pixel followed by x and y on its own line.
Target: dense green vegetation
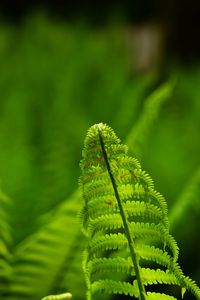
pixel 56 80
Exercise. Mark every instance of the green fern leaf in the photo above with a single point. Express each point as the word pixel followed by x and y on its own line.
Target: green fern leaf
pixel 40 261
pixel 186 199
pixel 158 296
pixel 153 104
pixel 126 222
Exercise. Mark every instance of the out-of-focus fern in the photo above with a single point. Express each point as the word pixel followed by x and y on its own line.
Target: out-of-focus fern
pixel 5 241
pixel 71 267
pixel 38 261
pixel 128 109
pixel 122 211
pixel 187 199
pixel 184 222
pixel 152 106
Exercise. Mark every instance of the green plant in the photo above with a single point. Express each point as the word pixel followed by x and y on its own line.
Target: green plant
pixel 43 73
pixel 126 222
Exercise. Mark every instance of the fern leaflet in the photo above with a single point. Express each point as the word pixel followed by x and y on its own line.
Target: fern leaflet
pixel 64 296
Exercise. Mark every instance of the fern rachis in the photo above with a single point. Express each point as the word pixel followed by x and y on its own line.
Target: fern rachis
pixel 126 222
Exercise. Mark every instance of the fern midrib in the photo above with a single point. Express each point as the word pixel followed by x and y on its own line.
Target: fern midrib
pixel 142 292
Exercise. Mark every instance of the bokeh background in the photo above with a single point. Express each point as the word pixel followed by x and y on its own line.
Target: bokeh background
pixel 64 66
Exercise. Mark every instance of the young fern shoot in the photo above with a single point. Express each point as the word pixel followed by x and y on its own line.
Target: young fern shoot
pixel 126 222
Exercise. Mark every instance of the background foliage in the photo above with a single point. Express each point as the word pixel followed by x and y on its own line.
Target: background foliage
pixel 56 80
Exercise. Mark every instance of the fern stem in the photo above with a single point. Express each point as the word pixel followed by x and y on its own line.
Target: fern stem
pixel 142 292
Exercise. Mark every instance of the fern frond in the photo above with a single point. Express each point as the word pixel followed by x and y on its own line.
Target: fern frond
pixel 5 241
pixel 187 196
pixel 152 107
pixel 126 221
pixel 39 260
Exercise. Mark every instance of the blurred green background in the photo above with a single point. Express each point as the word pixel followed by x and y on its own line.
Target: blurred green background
pixel 60 75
